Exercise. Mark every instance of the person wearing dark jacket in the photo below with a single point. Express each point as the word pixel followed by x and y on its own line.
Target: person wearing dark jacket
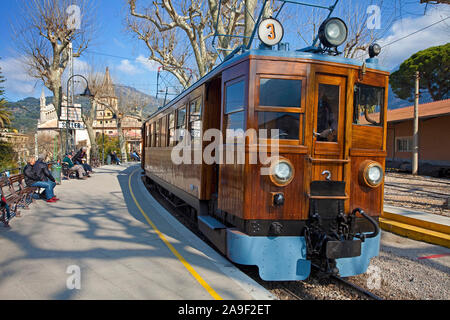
pixel 34 172
pixel 80 158
pixel 7 212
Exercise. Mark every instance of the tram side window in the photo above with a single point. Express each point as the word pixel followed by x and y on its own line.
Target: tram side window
pixel 157 132
pixel 171 129
pixel 280 92
pixel 368 105
pixel 152 135
pixel 195 122
pixel 286 123
pixel 181 123
pixel 234 117
pixel 164 131
pixel 147 135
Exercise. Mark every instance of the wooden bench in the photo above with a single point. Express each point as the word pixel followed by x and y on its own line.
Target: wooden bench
pixel 12 199
pixel 67 172
pixel 18 188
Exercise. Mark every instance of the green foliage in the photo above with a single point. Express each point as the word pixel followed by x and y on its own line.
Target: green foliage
pixel 25 114
pixel 434 67
pixel 8 158
pixel 111 144
pixel 5 114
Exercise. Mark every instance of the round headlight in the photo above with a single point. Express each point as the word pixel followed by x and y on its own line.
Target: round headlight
pixel 333 32
pixel 282 172
pixel 374 50
pixel 372 173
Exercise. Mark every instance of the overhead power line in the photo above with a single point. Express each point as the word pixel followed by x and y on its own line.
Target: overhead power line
pixel 408 35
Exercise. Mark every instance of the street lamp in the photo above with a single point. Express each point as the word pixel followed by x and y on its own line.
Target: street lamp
pixel 86 93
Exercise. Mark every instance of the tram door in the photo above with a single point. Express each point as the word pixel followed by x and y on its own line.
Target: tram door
pixel 329 128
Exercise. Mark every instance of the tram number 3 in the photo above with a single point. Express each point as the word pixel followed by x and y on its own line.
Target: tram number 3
pixel 271 34
pixel 270 31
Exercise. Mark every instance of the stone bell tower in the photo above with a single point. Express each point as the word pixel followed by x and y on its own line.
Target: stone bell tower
pixel 43 108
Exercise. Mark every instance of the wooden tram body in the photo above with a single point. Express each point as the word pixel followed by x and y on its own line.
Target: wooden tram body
pixel 234 202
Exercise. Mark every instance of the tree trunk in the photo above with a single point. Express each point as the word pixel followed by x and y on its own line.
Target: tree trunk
pixel 249 23
pixel 122 144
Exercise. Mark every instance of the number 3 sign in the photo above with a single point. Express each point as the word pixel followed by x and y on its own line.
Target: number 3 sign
pixel 270 31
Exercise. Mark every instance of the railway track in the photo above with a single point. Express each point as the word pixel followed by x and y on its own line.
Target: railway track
pixel 178 212
pixel 359 289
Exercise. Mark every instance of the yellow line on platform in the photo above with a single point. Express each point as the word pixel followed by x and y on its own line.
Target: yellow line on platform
pixel 414 232
pixel 194 273
pixel 429 225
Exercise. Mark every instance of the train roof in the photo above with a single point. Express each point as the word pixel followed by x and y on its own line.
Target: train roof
pixel 370 64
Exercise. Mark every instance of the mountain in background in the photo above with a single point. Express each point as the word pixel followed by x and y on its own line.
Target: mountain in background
pixel 151 102
pixel 26 112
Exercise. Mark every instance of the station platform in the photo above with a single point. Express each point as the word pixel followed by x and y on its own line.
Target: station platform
pixel 428 227
pixel 107 238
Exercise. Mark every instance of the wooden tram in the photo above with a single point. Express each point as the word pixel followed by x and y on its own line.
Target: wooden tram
pixel 322 203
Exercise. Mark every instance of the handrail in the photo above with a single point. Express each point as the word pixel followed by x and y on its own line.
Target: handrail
pixel 328 160
pixel 328 197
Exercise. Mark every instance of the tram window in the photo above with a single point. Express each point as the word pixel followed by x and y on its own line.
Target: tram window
pixel 235 97
pixel 368 105
pixel 280 92
pixel 181 123
pixel 235 120
pixel 152 135
pixel 195 123
pixel 164 132
pixel 287 124
pixel 328 112
pixel 157 132
pixel 171 129
pixel 147 131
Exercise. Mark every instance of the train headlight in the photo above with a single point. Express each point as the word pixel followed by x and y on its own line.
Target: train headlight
pixel 282 172
pixel 371 173
pixel 374 50
pixel 333 32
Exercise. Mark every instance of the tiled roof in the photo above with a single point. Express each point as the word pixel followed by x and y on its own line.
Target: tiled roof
pixel 426 110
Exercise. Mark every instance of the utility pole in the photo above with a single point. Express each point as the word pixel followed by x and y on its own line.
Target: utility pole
pixel 36 145
pixel 70 95
pixel 415 158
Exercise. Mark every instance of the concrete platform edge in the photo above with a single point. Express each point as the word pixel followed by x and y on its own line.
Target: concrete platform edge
pixel 246 283
pixel 393 220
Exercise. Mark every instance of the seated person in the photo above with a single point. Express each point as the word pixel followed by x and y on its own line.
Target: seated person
pixel 32 172
pixel 114 158
pixel 75 167
pixel 4 207
pixel 135 156
pixel 80 158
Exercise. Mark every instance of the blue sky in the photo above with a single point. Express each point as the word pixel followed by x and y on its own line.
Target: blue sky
pixel 131 67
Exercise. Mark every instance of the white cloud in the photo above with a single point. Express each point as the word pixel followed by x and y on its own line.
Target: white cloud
pixel 127 67
pixel 396 53
pixel 150 65
pixel 18 82
pixel 140 65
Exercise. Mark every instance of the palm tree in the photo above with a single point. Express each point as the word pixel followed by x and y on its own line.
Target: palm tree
pixel 4 112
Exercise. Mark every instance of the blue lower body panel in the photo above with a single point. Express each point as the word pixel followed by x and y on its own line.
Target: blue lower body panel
pixel 284 258
pixel 278 258
pixel 357 265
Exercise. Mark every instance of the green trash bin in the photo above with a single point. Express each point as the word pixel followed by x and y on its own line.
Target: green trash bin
pixel 56 173
pixel 108 160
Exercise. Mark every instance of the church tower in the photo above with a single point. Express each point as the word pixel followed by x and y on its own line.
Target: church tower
pixel 43 108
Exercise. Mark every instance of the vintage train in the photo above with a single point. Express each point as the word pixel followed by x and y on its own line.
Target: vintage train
pixel 320 201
